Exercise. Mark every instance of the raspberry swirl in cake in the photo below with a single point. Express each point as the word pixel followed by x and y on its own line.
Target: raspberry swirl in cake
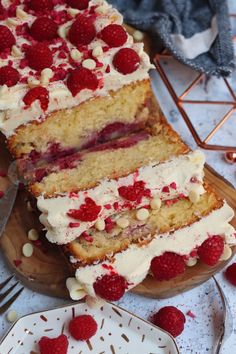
pixel 59 56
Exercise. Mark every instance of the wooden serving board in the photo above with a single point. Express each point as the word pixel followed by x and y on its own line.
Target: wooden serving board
pixel 47 270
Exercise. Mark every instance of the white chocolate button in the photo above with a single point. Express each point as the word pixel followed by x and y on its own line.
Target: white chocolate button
pixel 32 82
pixel 191 262
pixel 21 14
pixel 27 250
pixel 46 75
pixel 100 225
pixel 33 235
pixel 75 289
pixel 97 51
pixel 12 316
pixel 155 203
pixel 101 9
pixel 62 31
pixel 227 253
pixel 12 22
pixel 142 214
pixel 15 51
pixel 138 36
pixel 76 54
pixel 89 64
pixel 122 222
pixel 72 12
pixel 194 196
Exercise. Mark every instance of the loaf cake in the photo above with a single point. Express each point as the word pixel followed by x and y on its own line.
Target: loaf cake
pixel 70 76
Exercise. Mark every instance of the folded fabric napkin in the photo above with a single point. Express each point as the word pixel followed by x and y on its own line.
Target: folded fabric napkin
pixel 197 32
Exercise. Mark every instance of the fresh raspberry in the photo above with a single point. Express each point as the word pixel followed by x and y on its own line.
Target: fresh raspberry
pixel 167 266
pixel 135 192
pixel 78 4
pixel 37 93
pixel 42 5
pixel 57 345
pixel 83 327
pixel 80 79
pixel 110 287
pixel 87 212
pixel 82 31
pixel 8 76
pixel 230 274
pixel 39 56
pixel 43 29
pixel 3 12
pixel 114 35
pixel 126 61
pixel 170 319
pixel 7 38
pixel 211 250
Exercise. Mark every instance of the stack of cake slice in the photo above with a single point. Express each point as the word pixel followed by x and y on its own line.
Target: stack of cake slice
pixel 117 189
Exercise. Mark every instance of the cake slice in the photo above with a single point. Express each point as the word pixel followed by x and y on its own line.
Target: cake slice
pixel 71 77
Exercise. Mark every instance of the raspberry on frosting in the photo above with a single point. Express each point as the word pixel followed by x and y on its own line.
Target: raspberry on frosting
pixel 39 56
pixel 126 61
pixel 37 93
pixel 41 5
pixel 78 4
pixel 135 192
pixel 8 76
pixel 211 250
pixel 110 287
pixel 167 266
pixel 83 327
pixel 7 39
pixel 88 211
pixel 82 31
pixel 3 12
pixel 80 79
pixel 170 319
pixel 43 28
pixel 114 35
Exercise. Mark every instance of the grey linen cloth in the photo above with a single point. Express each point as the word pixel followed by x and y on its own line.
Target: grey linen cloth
pixel 197 32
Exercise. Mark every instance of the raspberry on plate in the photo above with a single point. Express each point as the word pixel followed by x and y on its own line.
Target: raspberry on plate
pixel 110 287
pixel 211 249
pixel 78 4
pixel 57 345
pixel 8 76
pixel 114 35
pixel 42 5
pixel 126 61
pixel 82 31
pixel 230 274
pixel 167 266
pixel 39 56
pixel 83 327
pixel 80 79
pixel 37 93
pixel 170 319
pixel 7 38
pixel 43 29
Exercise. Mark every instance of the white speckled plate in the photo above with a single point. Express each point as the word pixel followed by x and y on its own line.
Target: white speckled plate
pixel 119 332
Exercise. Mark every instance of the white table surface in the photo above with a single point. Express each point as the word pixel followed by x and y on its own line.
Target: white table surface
pixel 200 333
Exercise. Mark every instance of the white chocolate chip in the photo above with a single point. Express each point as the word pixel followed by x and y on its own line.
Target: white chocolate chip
pixel 27 250
pixel 191 262
pixel 101 9
pixel 75 289
pixel 94 303
pixel 227 253
pixel 138 36
pixel 12 316
pixel 194 196
pixel 60 92
pixel 72 12
pixel 100 225
pixel 15 51
pixel 122 222
pixel 89 64
pixel 76 54
pixel 33 235
pixel 97 51
pixel 155 203
pixel 32 82
pixel 142 214
pixel 21 14
pixel 46 75
pixel 12 22
pixel 62 31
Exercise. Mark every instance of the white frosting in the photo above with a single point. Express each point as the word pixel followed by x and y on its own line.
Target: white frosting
pixel 178 169
pixel 134 263
pixel 12 112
